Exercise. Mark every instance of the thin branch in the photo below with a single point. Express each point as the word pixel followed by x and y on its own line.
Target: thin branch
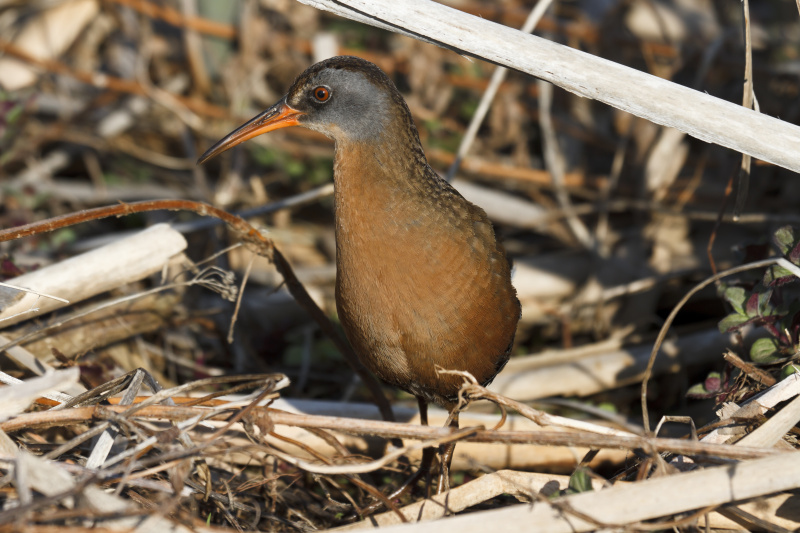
pixel 748 98
pixel 554 161
pixel 389 430
pixel 43 295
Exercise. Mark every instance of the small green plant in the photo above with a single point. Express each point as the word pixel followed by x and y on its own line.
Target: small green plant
pixel 769 304
pixel 11 111
pixel 772 304
pixel 580 481
pixel 720 386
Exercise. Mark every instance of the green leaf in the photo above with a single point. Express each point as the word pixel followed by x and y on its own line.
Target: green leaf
pixel 264 156
pixel 787 371
pixel 13 114
pixel 764 307
pixel 609 407
pixel 736 297
pixel 580 481
pixel 785 239
pixel 698 389
pixel 295 168
pixel 63 237
pixel 780 272
pixel 763 350
pixel 732 321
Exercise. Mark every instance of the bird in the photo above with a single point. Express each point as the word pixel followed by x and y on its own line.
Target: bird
pixel 422 281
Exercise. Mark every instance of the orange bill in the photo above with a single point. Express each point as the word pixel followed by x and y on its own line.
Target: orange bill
pixel 276 117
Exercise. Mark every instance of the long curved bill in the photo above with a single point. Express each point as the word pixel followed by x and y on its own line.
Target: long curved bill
pixel 276 117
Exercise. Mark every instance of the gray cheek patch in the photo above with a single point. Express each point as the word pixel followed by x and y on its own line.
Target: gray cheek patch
pixel 357 108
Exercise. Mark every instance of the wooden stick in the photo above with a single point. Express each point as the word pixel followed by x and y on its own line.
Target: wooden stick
pixel 86 275
pixel 629 504
pixel 602 366
pixel 405 431
pixel 696 113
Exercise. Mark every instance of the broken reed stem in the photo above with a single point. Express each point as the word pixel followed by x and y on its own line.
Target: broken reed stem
pixel 753 372
pixel 250 235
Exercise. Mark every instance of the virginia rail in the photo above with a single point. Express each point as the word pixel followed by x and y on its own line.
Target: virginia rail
pixel 421 279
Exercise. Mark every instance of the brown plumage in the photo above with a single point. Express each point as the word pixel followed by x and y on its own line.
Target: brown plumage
pixel 421 279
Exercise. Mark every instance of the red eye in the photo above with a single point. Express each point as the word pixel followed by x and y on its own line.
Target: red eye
pixel 322 94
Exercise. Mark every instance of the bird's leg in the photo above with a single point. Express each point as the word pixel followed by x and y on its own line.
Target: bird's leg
pixel 423 411
pixel 447 458
pixel 428 455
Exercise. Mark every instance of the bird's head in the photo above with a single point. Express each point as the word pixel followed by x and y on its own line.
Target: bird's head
pixel 345 98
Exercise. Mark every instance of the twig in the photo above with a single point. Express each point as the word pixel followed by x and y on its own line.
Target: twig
pixel 371 466
pixel 602 228
pixel 389 430
pixel 754 373
pixel 554 161
pixel 43 295
pixel 194 49
pixel 738 515
pixel 748 99
pixel 297 200
pixel 245 277
pixel 473 390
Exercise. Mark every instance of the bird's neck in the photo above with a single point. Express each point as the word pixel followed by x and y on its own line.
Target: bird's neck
pixel 390 164
pixel 381 186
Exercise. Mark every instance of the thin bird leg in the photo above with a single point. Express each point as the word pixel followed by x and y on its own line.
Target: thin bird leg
pixel 423 411
pixel 428 455
pixel 447 458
